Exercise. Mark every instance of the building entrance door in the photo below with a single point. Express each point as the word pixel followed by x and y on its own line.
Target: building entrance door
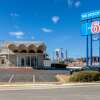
pixel 22 62
pixel 28 61
pixel 32 61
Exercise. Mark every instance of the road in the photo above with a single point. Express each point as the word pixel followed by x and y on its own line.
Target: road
pixel 66 93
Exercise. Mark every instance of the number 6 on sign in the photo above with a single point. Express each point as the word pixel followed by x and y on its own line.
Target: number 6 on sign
pixel 95 28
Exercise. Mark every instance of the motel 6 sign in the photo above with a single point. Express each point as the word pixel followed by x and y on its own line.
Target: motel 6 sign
pixel 90 28
pixel 90 15
pixel 90 23
pixel 95 27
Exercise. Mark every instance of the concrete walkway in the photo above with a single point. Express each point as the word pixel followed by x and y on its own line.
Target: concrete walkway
pixel 22 86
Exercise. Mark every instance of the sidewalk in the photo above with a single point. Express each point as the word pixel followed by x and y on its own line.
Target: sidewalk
pixel 45 85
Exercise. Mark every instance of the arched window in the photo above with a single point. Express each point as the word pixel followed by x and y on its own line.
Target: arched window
pixel 15 51
pixel 31 51
pixel 23 51
pixel 39 51
pixel 2 61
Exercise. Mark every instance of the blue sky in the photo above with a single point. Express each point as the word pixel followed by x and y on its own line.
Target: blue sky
pixel 56 22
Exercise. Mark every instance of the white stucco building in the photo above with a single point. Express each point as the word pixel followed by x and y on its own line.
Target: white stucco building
pixel 22 54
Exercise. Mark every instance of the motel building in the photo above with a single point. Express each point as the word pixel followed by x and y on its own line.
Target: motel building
pixel 22 54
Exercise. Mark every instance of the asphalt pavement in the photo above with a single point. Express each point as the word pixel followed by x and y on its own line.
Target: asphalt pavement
pixel 91 92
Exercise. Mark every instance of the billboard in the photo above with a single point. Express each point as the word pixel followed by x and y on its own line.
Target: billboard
pixel 90 28
pixel 90 15
pixel 95 27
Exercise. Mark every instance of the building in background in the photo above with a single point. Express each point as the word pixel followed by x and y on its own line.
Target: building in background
pixel 47 61
pixel 22 54
pixel 58 55
pixel 81 61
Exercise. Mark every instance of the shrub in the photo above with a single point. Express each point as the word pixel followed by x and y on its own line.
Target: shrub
pixel 85 76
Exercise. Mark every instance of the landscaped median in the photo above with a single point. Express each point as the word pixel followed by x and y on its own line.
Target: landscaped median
pixel 82 76
pixel 85 76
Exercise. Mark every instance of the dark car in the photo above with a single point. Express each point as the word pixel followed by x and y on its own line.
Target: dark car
pixel 71 70
pixel 96 68
pixel 93 68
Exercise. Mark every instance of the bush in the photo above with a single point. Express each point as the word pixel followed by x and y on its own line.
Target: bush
pixel 85 76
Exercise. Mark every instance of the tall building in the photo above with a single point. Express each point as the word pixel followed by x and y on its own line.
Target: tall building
pixel 59 55
pixel 22 54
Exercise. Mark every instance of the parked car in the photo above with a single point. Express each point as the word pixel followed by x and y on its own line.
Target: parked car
pixel 72 70
pixel 93 68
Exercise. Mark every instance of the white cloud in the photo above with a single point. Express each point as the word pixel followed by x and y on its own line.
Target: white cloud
pixel 77 4
pixel 17 34
pixel 73 3
pixel 19 37
pixel 55 19
pixel 33 37
pixel 47 30
pixel 14 14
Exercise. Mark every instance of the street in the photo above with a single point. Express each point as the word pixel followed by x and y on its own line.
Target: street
pixel 66 93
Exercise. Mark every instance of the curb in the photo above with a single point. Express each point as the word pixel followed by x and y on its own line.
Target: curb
pixel 80 84
pixel 48 85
